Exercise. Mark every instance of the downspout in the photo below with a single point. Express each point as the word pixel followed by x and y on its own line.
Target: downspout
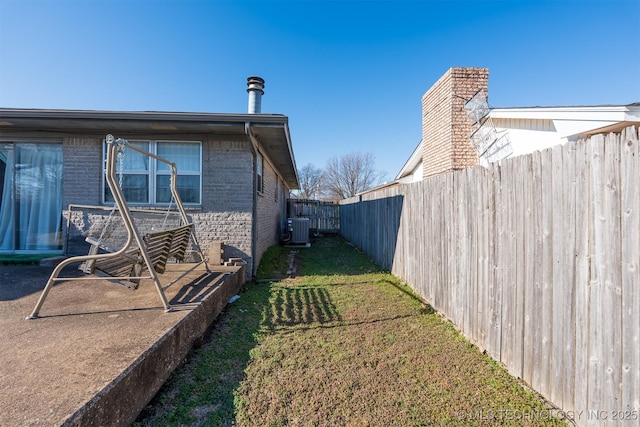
pixel 286 193
pixel 254 202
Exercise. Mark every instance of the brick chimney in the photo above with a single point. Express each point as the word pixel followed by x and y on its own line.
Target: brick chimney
pixel 445 129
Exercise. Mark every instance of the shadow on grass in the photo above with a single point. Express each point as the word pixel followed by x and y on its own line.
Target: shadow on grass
pixel 295 306
pixel 202 390
pixel 284 330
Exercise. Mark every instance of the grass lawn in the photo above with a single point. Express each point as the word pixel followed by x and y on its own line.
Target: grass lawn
pixel 342 343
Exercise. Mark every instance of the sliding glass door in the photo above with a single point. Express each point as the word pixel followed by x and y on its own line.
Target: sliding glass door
pixel 30 197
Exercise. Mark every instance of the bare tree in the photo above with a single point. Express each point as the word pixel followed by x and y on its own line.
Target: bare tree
pixel 351 174
pixel 310 179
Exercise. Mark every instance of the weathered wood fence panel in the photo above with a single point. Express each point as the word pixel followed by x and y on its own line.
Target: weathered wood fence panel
pixel 324 217
pixel 535 259
pixel 630 266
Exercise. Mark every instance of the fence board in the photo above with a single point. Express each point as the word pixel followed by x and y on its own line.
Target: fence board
pixel 447 300
pixel 557 285
pixel 582 280
pixel 612 280
pixel 432 245
pixel 601 325
pixel 567 277
pixel 546 302
pixel 507 264
pixel 520 264
pixel 595 371
pixel 537 285
pixel 491 300
pixel 461 252
pixel 399 267
pixel 494 291
pixel 630 271
pixel 473 179
pixel 422 269
pixel 482 259
pixel 530 305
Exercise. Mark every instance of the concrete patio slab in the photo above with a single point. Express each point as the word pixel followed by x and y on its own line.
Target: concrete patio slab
pixel 98 352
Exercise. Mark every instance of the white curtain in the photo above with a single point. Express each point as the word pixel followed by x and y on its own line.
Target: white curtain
pixel 134 161
pixel 30 215
pixel 7 213
pixel 185 155
pixel 135 183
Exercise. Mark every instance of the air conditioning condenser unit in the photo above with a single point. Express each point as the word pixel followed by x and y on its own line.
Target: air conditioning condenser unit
pixel 300 230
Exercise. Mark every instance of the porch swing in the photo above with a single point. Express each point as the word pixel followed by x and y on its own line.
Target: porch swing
pixel 140 253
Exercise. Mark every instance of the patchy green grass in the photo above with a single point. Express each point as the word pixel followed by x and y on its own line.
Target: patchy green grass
pixel 341 344
pixel 274 263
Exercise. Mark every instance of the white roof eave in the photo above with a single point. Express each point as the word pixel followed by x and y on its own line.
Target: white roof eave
pixel 600 113
pixel 411 163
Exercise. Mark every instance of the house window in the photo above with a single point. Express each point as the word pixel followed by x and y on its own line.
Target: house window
pixel 259 173
pixel 146 181
pixel 30 197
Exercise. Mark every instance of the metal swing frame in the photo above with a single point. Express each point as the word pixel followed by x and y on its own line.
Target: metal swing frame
pixel 152 249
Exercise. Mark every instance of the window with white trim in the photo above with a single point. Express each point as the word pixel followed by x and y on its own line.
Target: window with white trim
pixel 146 181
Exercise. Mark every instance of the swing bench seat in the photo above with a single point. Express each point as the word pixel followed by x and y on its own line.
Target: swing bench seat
pixel 161 246
pixel 151 251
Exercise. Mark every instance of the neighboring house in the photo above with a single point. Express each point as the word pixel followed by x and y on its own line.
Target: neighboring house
pixel 235 172
pixel 447 143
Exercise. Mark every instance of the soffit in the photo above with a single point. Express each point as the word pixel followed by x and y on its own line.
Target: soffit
pixel 271 130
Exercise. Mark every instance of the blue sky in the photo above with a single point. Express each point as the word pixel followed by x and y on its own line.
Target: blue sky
pixel 349 74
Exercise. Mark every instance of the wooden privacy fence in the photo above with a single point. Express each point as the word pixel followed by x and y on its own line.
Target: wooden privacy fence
pixel 324 217
pixel 535 259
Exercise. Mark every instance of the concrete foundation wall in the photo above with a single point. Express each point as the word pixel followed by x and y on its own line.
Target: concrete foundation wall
pixel 120 402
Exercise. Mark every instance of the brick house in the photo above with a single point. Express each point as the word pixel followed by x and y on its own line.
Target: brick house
pixel 235 172
pixel 447 143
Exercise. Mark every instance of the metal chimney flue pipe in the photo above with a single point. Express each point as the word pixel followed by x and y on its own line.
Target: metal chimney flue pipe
pixel 255 87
